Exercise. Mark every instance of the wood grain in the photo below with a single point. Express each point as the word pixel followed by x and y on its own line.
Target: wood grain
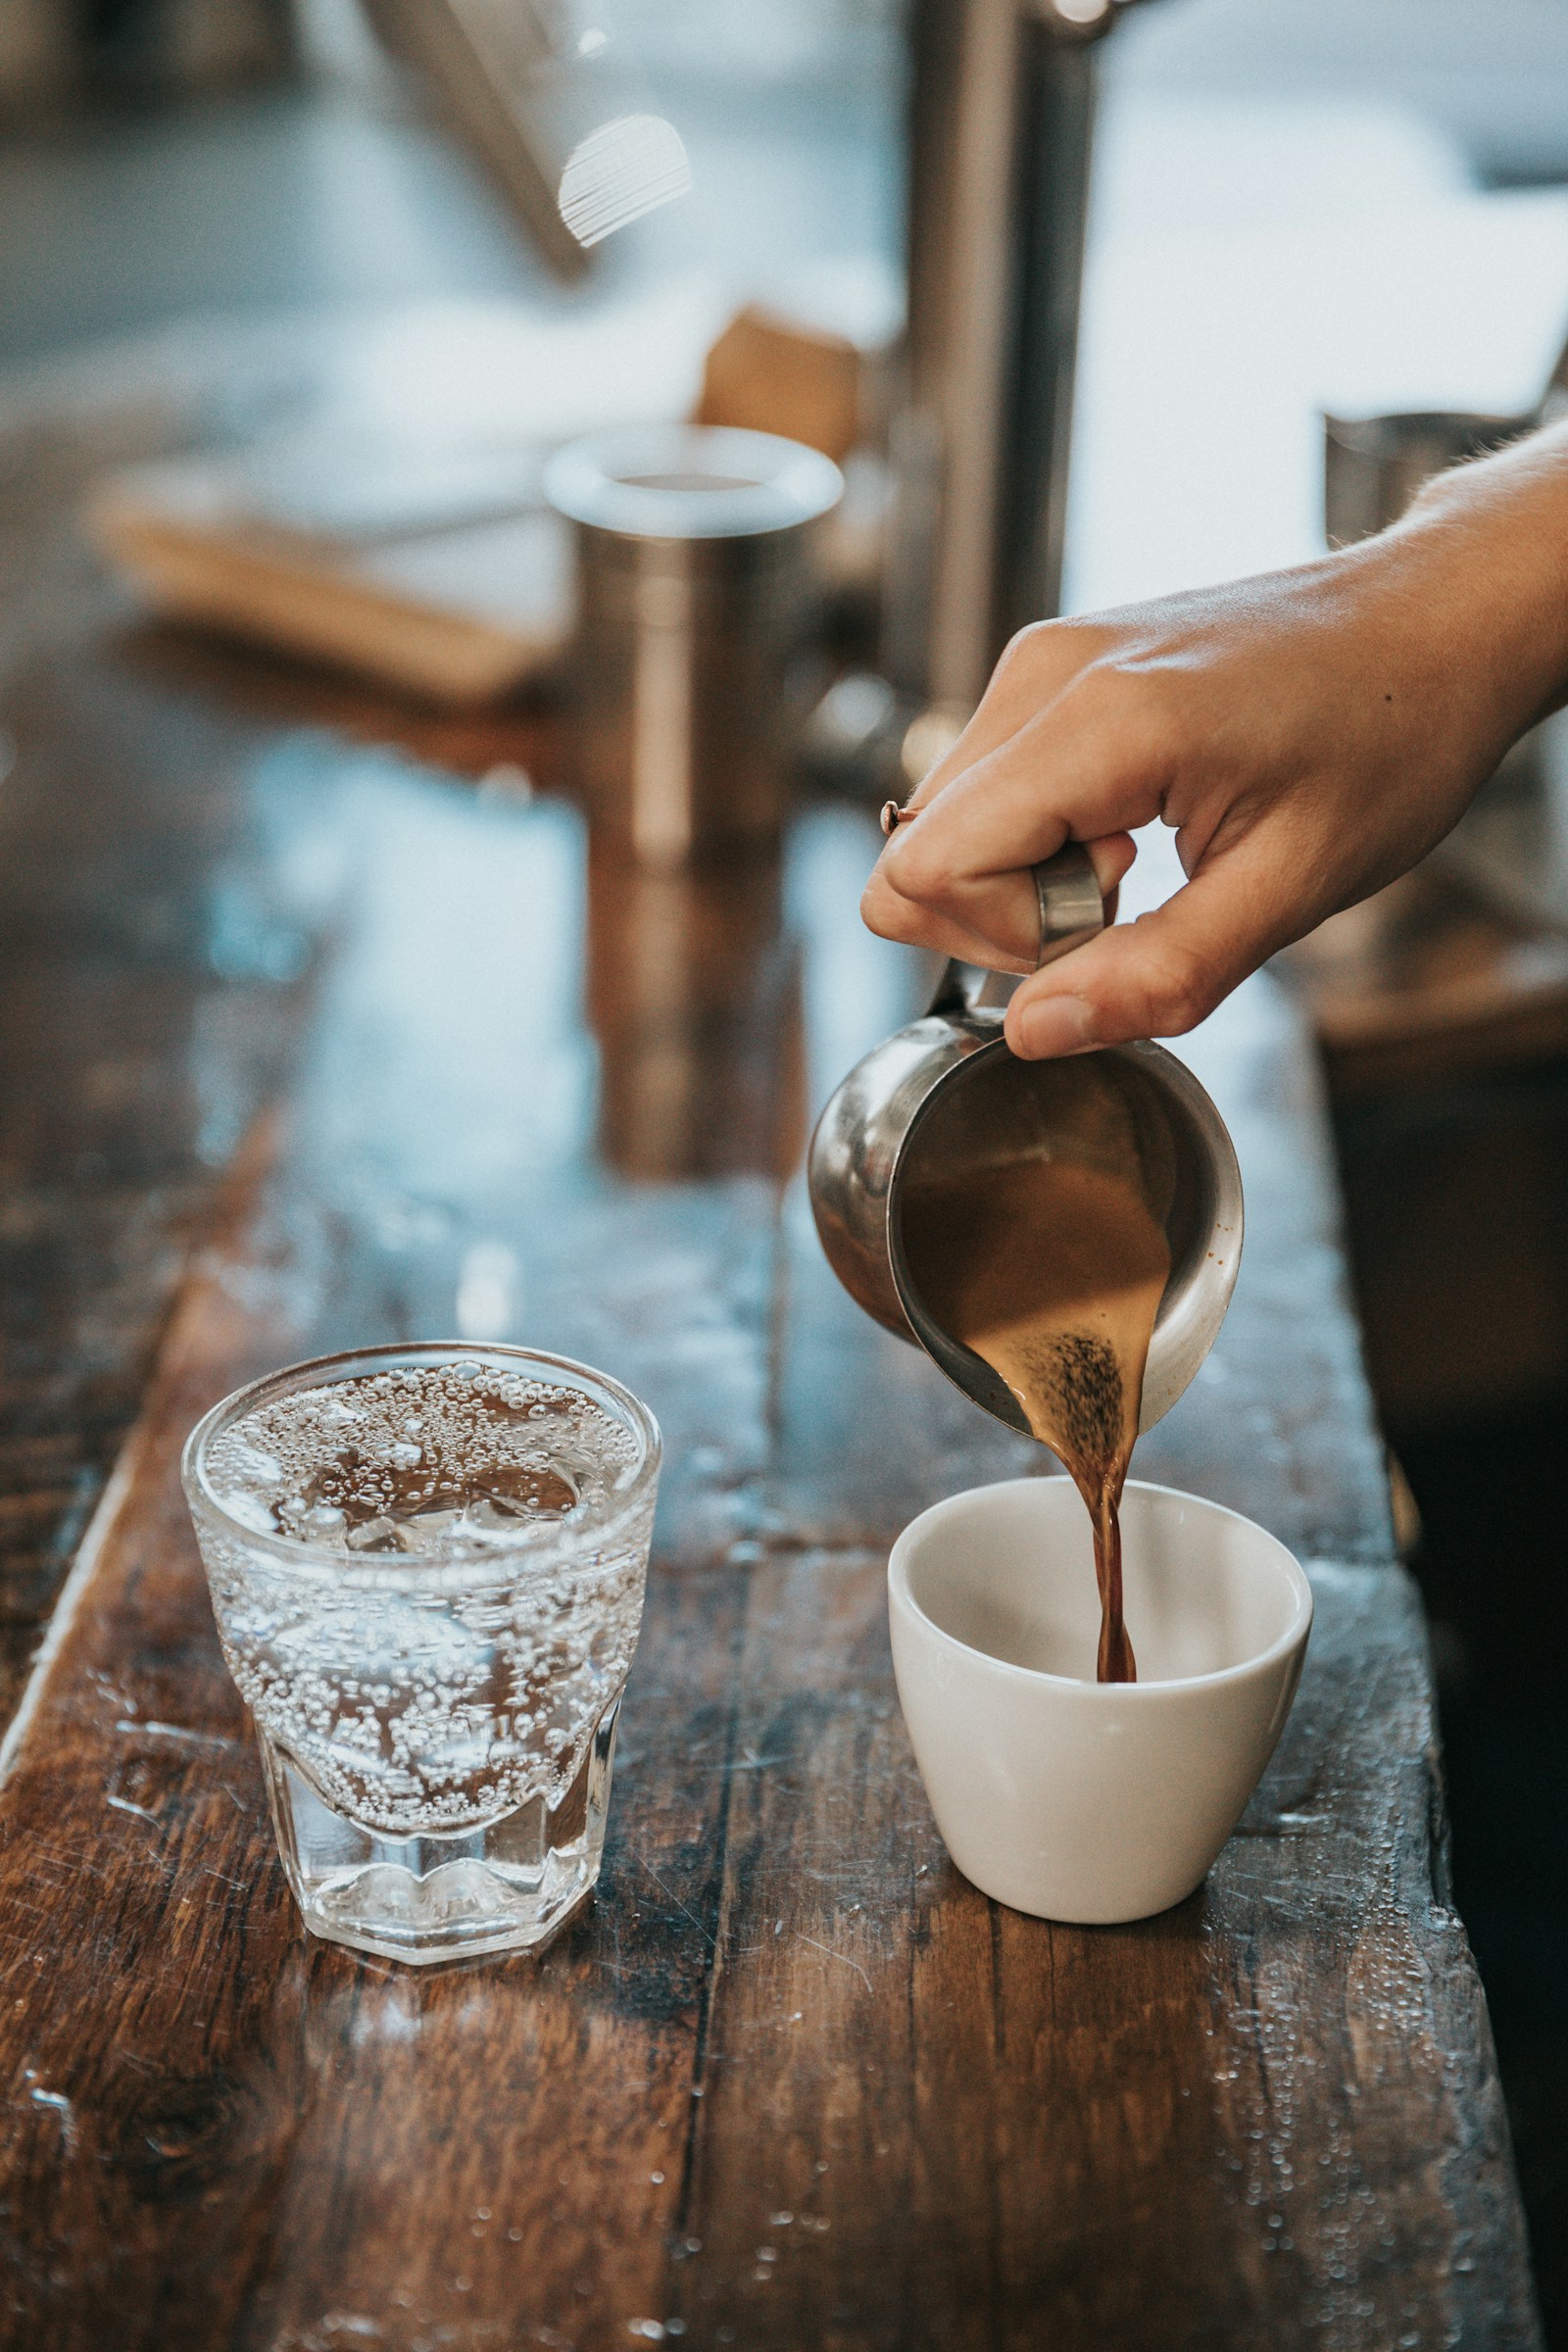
pixel 295 1022
pixel 209 2117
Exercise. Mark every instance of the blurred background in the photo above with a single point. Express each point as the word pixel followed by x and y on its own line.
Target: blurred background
pixel 1357 208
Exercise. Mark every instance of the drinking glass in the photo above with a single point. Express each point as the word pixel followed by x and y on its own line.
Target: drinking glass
pixel 427 1567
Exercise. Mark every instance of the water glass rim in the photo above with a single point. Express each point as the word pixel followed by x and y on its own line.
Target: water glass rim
pixel 462 1565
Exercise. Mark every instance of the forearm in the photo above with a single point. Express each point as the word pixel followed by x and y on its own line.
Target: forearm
pixel 1309 734
pixel 1483 552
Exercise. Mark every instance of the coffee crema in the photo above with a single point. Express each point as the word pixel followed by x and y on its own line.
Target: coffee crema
pixel 1052 1269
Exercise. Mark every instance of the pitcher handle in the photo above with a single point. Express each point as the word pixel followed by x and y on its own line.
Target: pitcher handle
pixel 1072 911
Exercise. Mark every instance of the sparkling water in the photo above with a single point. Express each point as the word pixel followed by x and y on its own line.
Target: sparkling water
pixel 414 1708
pixel 427 1581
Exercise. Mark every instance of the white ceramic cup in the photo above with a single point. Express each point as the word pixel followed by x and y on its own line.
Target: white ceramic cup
pixel 1059 1795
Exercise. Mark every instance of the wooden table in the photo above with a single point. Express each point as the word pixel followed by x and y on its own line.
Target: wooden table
pixel 305 1041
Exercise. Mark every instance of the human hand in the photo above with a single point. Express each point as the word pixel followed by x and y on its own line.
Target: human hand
pixel 1309 734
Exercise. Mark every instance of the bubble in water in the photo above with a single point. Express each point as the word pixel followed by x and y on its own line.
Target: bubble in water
pixel 418 1710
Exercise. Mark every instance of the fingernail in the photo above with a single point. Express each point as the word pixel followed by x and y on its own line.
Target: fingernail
pixel 1056 1025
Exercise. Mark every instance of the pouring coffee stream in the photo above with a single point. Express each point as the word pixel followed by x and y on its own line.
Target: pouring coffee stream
pixel 1061 1237
pixel 1053 1271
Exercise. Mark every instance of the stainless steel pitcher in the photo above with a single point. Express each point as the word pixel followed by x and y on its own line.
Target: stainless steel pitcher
pixel 696 600
pixel 947 1093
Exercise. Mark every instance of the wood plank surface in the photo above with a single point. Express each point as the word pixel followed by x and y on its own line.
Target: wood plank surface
pixel 402 1055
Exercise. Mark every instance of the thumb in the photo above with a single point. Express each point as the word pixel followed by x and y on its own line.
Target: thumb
pixel 1156 977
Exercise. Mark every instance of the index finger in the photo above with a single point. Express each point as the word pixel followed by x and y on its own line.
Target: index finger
pixel 1077 772
pixel 1031 671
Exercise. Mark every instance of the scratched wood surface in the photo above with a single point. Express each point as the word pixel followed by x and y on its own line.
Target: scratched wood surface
pixel 307 1041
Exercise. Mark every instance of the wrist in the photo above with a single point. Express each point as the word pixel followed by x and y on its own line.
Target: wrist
pixel 1485 547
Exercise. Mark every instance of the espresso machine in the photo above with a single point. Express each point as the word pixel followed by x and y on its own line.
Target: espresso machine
pixel 1001 107
pixel 1002 96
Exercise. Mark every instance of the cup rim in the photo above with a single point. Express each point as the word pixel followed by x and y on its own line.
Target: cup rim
pixel 775 485
pixel 466 1565
pixel 1104 1693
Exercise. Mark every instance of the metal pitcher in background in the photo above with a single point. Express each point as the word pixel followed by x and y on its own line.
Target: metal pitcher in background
pixel 696 599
